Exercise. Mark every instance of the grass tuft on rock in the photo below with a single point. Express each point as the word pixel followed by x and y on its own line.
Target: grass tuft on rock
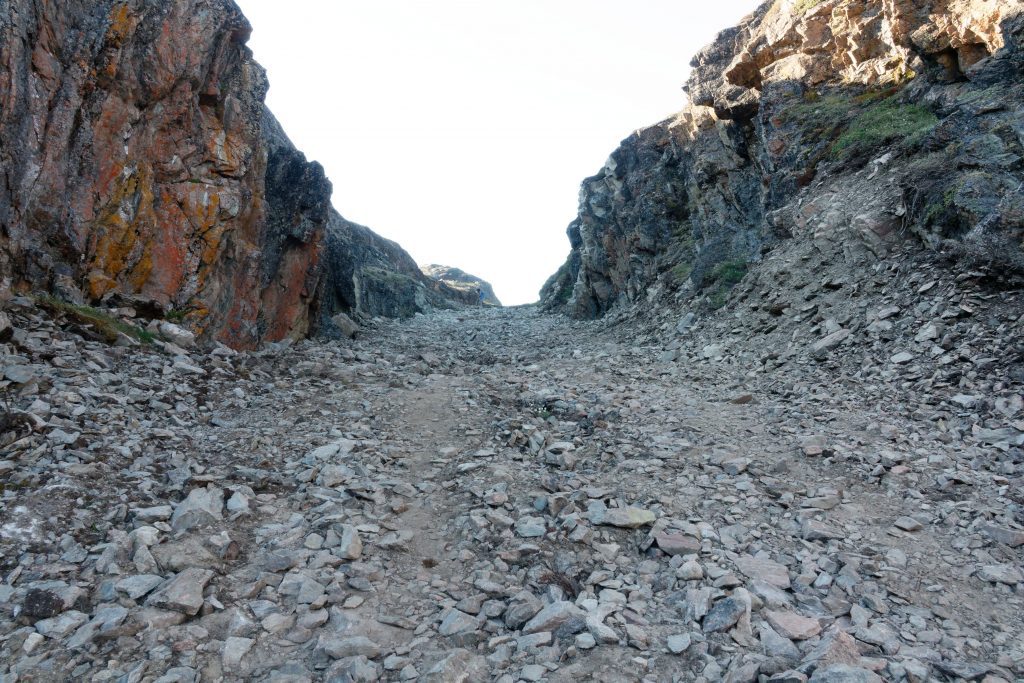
pixel 103 324
pixel 729 273
pixel 883 123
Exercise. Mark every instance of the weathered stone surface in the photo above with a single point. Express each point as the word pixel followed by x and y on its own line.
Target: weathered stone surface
pixel 184 592
pixel 1011 537
pixel 687 204
pixel 341 647
pixel 447 432
pixel 460 666
pixel 844 673
pixel 772 573
pixel 201 507
pixel 627 518
pixel 677 544
pixel 724 614
pixel 553 617
pixel 169 180
pixel 456 622
pixel 792 625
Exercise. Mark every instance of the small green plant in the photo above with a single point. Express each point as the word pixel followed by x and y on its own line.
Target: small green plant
pixel 681 272
pixel 718 298
pixel 104 324
pixel 883 123
pixel 175 316
pixel 938 209
pixel 729 273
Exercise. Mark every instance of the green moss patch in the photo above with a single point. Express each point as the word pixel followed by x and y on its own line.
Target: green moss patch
pixel 103 324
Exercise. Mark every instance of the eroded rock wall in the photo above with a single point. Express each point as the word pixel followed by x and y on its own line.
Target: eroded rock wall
pixel 785 110
pixel 137 158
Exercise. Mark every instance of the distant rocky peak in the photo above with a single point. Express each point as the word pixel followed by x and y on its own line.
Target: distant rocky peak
pixel 464 283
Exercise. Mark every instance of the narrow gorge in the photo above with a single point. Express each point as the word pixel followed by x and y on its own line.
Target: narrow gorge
pixel 765 424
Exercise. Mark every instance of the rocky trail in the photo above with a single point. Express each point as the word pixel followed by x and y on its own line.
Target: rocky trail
pixel 489 494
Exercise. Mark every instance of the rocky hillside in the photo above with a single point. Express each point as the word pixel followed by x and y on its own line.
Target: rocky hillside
pixel 462 282
pixel 138 162
pixel 869 122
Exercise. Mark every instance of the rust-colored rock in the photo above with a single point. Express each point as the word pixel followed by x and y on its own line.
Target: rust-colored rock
pixel 137 157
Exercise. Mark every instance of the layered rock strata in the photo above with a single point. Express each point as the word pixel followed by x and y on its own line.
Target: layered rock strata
pixel 844 114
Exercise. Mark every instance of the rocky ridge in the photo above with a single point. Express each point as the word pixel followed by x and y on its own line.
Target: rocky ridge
pixel 891 119
pixel 463 282
pixel 139 163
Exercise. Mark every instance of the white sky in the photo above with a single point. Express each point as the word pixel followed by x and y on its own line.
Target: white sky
pixel 462 128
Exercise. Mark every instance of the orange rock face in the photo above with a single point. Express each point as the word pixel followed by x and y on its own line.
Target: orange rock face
pixel 133 157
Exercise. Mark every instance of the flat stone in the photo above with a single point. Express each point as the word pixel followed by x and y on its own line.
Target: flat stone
pixel 844 673
pixel 532 672
pixel 533 640
pixel 456 622
pixel 531 527
pixel 1001 573
pixel 813 445
pixel 184 592
pixel 627 518
pixel 340 647
pixel 908 524
pixel 139 585
pixel 104 620
pixel 765 570
pixel 778 647
pixel 723 615
pixel 234 651
pixel 60 626
pixel 679 643
pixel 1011 537
pixel 882 635
pixel 677 544
pixel 821 347
pixel 201 507
pixel 459 666
pixel 813 530
pixel 792 625
pixel 157 513
pixel 553 616
pixel 736 466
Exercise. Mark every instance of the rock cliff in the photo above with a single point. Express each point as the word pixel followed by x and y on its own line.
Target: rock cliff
pixel 463 283
pixel 137 159
pixel 863 121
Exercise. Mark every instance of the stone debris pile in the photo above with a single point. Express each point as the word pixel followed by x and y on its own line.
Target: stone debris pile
pixel 500 495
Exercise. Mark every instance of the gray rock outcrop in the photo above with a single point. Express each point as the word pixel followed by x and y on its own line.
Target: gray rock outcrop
pixel 813 116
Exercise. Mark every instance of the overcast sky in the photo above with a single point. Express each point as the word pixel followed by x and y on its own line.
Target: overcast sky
pixel 462 128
